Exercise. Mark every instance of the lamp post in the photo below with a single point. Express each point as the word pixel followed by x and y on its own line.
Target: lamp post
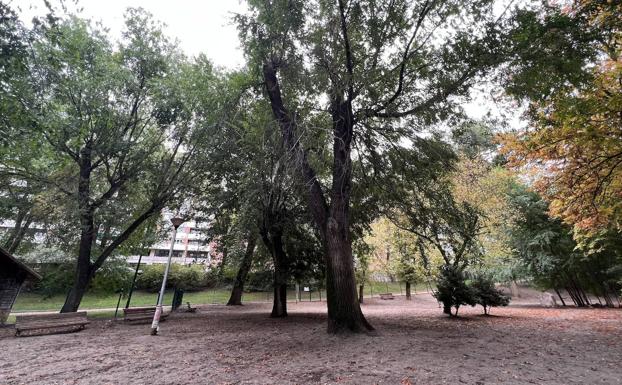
pixel 176 221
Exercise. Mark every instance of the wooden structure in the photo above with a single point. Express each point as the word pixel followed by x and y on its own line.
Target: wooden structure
pixel 51 323
pixel 13 273
pixel 387 296
pixel 141 314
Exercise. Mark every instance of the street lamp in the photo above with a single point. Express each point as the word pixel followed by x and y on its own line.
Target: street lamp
pixel 176 221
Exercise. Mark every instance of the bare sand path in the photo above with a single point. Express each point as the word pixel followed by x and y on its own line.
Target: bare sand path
pixel 415 344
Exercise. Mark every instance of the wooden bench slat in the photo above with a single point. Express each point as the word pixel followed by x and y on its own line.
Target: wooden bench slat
pixel 60 322
pixel 50 325
pixel 50 316
pixel 139 309
pixel 141 313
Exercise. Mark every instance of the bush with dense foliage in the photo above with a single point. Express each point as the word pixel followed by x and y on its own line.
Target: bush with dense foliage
pixel 186 277
pixel 115 275
pixel 452 289
pixel 58 277
pixel 486 294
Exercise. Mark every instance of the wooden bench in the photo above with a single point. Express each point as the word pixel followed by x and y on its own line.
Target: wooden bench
pixel 387 296
pixel 50 323
pixel 138 314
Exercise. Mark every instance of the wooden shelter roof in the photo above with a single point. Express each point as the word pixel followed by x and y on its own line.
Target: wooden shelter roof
pixel 5 256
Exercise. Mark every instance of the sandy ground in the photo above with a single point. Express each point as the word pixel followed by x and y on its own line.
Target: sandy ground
pixel 415 344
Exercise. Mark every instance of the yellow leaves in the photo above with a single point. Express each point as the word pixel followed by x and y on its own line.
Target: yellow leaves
pixel 574 151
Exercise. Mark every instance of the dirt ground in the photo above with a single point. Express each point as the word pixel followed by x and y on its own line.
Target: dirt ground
pixel 415 344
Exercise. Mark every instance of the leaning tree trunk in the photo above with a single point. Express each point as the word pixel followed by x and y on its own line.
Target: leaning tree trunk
pixel 560 296
pixel 238 287
pixel 23 221
pixel 408 290
pixel 74 297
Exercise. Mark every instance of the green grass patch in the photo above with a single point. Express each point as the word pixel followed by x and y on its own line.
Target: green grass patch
pixel 27 302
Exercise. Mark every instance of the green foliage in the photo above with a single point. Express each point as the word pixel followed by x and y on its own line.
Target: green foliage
pixel 58 275
pixel 473 139
pixel 486 294
pixel 110 132
pixel 452 289
pixel 186 277
pixel 115 275
pixel 57 279
pixel 546 248
pixel 260 280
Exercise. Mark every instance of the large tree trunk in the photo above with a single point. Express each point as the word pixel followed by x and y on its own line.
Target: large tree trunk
pixel 84 271
pixel 74 297
pixel 344 312
pixel 279 303
pixel 238 286
pixel 273 239
pixel 408 290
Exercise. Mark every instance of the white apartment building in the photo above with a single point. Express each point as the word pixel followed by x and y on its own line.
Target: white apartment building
pixel 190 247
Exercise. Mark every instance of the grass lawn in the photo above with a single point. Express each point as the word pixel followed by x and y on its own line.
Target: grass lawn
pixel 35 302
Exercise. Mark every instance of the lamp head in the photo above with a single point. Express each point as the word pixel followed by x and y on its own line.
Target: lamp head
pixel 177 221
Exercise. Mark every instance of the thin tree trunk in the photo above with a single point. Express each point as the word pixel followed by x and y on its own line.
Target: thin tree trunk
pixel 223 262
pixel 447 309
pixel 408 290
pixel 514 289
pixel 23 221
pixel 238 286
pixel 560 297
pixel 361 292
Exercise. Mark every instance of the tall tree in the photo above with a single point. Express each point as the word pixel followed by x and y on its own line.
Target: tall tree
pixel 573 144
pixel 370 74
pixel 117 130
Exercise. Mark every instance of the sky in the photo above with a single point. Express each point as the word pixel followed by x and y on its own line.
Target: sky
pixel 206 26
pixel 199 25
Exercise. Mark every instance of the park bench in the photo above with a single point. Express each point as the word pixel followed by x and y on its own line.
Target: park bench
pixel 136 314
pixel 387 296
pixel 52 323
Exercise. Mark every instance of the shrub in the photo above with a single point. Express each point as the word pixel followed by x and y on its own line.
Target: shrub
pixel 186 277
pixel 56 279
pixel 452 290
pixel 116 274
pixel 486 294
